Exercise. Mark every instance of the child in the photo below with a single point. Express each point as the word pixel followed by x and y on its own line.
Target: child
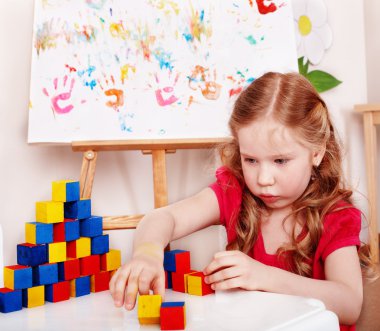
pixel 290 223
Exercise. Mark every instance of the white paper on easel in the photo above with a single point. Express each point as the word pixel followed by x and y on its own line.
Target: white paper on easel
pixel 152 69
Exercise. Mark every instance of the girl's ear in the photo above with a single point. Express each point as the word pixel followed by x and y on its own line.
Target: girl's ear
pixel 318 156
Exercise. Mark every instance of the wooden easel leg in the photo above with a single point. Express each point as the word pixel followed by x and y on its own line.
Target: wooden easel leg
pixel 371 162
pixel 159 178
pixel 87 173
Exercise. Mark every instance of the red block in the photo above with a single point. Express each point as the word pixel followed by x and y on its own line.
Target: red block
pixel 57 292
pixel 89 265
pixel 69 269
pixel 172 316
pixel 100 281
pixel 182 261
pixel 178 280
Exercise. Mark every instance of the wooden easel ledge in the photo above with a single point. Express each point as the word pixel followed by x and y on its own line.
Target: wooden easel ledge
pixel 146 144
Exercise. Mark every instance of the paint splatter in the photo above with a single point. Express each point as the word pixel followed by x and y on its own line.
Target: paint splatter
pixel 264 8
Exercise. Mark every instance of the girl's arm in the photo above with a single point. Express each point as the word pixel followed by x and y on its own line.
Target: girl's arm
pixel 341 292
pixel 156 229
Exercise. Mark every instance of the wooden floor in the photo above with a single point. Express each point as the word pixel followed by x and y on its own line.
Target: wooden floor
pixel 370 317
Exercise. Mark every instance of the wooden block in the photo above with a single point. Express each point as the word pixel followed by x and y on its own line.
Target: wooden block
pixel 33 296
pixel 17 277
pixel 173 316
pixel 31 254
pixel 80 286
pixel 79 248
pixel 65 190
pixel 45 274
pixel 49 211
pixel 68 269
pixel 168 279
pixel 179 280
pixel 177 260
pixel 79 209
pixel 10 300
pixel 89 265
pixel 100 244
pixel 100 281
pixel 56 252
pixel 111 260
pixel 68 230
pixel 91 226
pixel 38 233
pixel 148 309
pixel 57 292
pixel 196 284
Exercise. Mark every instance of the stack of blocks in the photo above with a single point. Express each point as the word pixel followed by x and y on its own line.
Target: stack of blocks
pixel 65 253
pixel 179 277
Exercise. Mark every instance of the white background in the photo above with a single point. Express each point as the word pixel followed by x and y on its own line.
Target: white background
pixel 123 183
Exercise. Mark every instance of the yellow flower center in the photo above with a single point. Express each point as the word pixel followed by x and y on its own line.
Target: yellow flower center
pixel 304 25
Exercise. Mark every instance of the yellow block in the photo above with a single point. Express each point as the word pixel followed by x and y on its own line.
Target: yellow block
pixel 185 279
pixel 57 252
pixel 49 211
pixel 194 285
pixel 113 260
pixel 9 278
pixel 59 188
pixel 36 296
pixel 73 291
pixel 83 247
pixel 148 309
pixel 30 233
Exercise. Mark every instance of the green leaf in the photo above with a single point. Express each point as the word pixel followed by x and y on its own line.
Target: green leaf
pixel 303 68
pixel 322 81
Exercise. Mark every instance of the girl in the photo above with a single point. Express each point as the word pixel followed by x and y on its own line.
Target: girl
pixel 290 223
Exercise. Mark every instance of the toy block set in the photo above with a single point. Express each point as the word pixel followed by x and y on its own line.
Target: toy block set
pixel 179 277
pixel 65 253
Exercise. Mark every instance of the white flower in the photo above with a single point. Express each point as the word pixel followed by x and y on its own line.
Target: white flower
pixel 313 34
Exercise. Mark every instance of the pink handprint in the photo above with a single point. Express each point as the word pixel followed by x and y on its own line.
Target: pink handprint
pixel 162 94
pixel 58 97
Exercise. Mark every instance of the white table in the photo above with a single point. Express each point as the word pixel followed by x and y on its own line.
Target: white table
pixel 232 310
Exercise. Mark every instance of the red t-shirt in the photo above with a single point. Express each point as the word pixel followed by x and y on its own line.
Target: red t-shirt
pixel 340 228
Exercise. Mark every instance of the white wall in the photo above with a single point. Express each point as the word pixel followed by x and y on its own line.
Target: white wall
pixel 123 183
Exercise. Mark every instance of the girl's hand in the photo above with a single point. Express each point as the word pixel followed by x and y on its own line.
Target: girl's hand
pixel 143 273
pixel 234 269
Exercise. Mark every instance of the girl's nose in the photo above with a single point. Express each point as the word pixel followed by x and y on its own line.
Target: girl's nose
pixel 265 177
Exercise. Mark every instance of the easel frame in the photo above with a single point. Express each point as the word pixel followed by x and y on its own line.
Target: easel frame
pixel 157 148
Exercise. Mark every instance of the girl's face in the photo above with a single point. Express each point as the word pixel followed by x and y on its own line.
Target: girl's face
pixel 276 167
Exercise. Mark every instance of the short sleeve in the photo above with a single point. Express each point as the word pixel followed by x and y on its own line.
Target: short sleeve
pixel 341 229
pixel 229 194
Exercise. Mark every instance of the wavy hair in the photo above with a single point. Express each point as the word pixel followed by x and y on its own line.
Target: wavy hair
pixel 292 101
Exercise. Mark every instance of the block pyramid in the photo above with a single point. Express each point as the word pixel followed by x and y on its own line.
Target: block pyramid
pixel 65 253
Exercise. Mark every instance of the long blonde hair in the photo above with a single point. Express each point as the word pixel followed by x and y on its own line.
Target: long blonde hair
pixel 293 102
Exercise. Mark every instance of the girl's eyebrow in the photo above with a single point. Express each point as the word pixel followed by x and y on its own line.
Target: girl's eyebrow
pixel 274 156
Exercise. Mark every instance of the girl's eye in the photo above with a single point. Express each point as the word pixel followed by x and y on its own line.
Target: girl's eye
pixel 281 161
pixel 249 160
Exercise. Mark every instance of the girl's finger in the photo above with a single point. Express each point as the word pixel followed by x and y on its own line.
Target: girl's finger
pixel 159 285
pixel 227 284
pixel 120 281
pixel 220 262
pixel 223 274
pixel 132 288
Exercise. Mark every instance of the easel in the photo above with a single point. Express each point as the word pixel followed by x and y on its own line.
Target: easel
pixel 158 150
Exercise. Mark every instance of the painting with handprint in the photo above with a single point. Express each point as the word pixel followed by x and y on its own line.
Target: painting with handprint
pixel 150 69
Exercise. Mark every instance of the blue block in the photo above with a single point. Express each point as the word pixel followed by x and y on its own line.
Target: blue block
pixel 72 231
pixel 100 244
pixel 173 304
pixel 82 286
pixel 45 274
pixel 78 209
pixel 31 255
pixel 91 227
pixel 23 278
pixel 169 279
pixel 44 232
pixel 169 259
pixel 72 191
pixel 10 300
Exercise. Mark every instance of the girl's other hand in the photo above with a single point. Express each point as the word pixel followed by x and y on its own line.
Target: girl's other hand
pixel 143 273
pixel 234 269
